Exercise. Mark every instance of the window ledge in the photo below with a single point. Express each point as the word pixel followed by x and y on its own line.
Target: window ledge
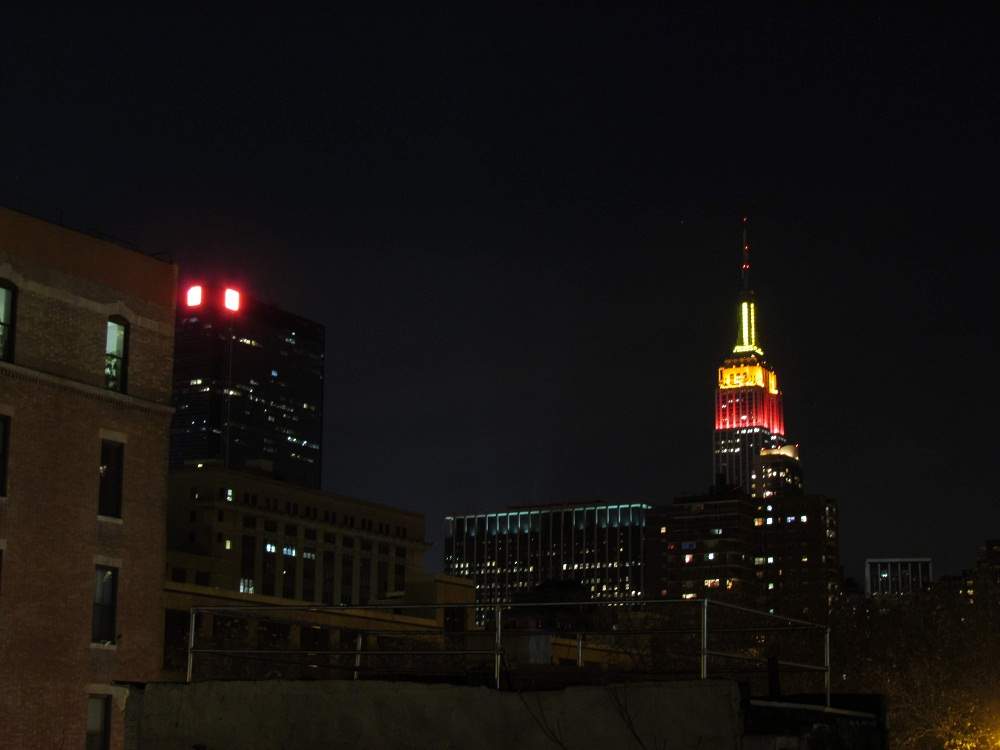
pixel 110 519
pixel 104 646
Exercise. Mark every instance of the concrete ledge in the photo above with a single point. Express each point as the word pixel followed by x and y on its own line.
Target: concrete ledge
pixel 344 714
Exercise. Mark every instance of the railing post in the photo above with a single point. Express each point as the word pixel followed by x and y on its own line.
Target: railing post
pixel 497 648
pixel 704 638
pixel 579 649
pixel 191 626
pixel 826 663
pixel 357 654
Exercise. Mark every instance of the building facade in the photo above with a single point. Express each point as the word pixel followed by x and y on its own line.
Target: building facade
pixel 86 342
pixel 599 546
pixel 776 471
pixel 239 531
pixel 749 415
pixel 897 575
pixel 248 386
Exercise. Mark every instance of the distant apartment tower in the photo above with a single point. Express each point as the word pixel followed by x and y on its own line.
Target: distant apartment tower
pixel 598 545
pixel 776 471
pixel 749 414
pixel 897 575
pixel 705 547
pixel 86 342
pixel 248 386
pixel 780 554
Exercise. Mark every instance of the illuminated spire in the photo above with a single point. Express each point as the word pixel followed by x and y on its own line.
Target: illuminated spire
pixel 746 326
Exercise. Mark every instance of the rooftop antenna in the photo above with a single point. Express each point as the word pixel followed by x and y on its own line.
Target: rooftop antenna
pixel 745 268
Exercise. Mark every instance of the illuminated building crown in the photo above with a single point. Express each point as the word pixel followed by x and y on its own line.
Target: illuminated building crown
pixel 746 326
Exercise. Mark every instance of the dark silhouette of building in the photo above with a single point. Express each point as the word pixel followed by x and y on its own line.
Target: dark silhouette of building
pixel 86 341
pixel 749 414
pixel 248 386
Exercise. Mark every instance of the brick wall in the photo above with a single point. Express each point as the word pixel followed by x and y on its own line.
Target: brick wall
pixel 49 527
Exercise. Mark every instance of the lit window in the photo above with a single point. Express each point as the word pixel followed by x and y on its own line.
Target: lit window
pixel 803 518
pixel 770 561
pixel 193 296
pixel 790 519
pixel 232 300
pixel 229 544
pixel 246 585
pixel 663 529
pixel 758 561
pixel 288 551
pixel 709 555
pixel 805 558
pixel 688 559
pixel 769 508
pixel 116 354
pixel 229 495
pixel 270 547
pixel 770 521
pixel 716 532
pixel 689 596
pixel 770 586
pixel 712 583
pixel 758 522
pixel 7 297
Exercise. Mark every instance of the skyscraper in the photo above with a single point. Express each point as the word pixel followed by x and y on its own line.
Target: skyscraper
pixel 248 386
pixel 748 410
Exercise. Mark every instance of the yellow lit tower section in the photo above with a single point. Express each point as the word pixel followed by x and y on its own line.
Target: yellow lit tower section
pixel 748 410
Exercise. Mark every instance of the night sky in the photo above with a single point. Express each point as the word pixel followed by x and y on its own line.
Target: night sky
pixel 521 232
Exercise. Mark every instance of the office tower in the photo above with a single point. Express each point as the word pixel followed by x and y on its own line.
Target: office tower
pixel 86 341
pixel 748 409
pixel 598 545
pixel 897 575
pixel 248 386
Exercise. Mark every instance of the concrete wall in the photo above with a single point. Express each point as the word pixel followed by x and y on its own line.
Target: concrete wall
pixel 342 714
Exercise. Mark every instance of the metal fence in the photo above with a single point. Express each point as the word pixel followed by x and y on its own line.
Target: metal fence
pixel 523 645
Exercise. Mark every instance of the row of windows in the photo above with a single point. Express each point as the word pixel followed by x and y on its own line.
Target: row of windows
pixel 115 339
pixel 227 494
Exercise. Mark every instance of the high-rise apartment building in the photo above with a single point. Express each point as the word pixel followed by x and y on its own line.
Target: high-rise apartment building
pixel 776 471
pixel 598 545
pixel 86 341
pixel 748 409
pixel 248 386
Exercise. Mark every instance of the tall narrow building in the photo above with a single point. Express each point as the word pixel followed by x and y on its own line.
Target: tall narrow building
pixel 748 410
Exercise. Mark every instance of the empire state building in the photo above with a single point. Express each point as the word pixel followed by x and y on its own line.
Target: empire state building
pixel 748 410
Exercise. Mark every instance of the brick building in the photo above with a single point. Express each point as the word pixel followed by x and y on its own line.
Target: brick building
pixel 86 328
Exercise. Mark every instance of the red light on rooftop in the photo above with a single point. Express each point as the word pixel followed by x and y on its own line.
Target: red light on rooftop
pixel 232 300
pixel 193 296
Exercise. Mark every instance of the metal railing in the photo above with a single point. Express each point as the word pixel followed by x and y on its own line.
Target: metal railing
pixel 646 639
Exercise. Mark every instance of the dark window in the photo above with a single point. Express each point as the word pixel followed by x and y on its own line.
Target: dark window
pixel 203 578
pixel 270 526
pixel 365 581
pixel 98 722
pixel 4 451
pixel 247 553
pixel 400 583
pixel 310 534
pixel 268 569
pixel 194 516
pixel 291 529
pixel 309 574
pixel 178 575
pixel 111 470
pixel 105 604
pixel 288 574
pixel 383 549
pixel 222 515
pixel 8 308
pixel 329 563
pixel 314 638
pixel 176 623
pixel 1 570
pixel 400 551
pixel 116 354
pixel 249 522
pixel 382 583
pixel 366 545
pixel 330 538
pixel 346 579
